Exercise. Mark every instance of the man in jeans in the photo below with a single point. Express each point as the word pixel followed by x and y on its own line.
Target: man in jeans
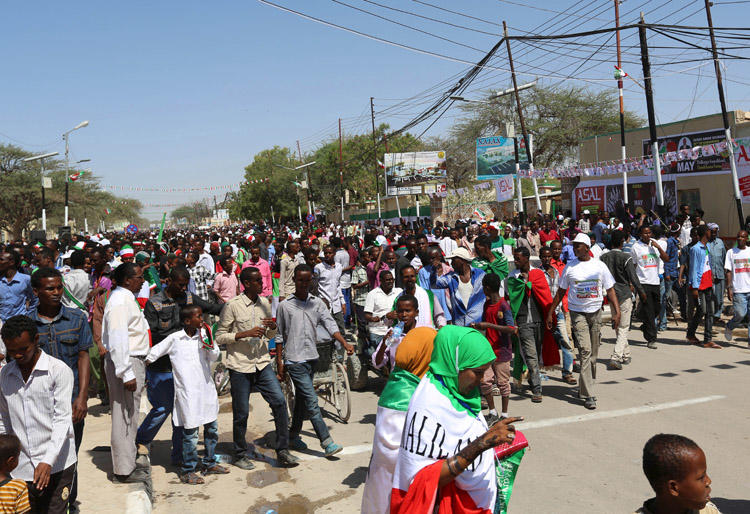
pixel 298 318
pixel 622 267
pixel 585 281
pixel 646 254
pixel 700 287
pixel 737 267
pixel 245 327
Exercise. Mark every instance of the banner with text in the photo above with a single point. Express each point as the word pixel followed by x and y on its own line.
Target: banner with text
pixel 688 141
pixel 414 173
pixel 504 188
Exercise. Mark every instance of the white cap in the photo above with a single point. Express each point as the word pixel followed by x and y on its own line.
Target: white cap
pixel 582 238
pixel 586 211
pixel 461 253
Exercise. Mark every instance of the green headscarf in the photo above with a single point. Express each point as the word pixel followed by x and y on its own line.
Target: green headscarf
pixel 458 348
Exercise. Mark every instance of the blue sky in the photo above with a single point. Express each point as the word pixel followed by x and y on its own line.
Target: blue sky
pixel 183 94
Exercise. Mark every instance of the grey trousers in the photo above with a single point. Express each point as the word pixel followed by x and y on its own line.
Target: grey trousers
pixel 530 338
pixel 587 332
pixel 126 409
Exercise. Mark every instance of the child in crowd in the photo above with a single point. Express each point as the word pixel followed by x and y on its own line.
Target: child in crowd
pixel 14 495
pixel 498 325
pixel 196 404
pixel 676 469
pixel 407 310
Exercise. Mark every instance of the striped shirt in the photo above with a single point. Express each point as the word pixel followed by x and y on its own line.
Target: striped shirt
pixel 40 414
pixel 14 497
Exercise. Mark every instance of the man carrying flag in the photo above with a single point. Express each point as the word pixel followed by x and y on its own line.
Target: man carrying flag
pixel 700 285
pixel 529 296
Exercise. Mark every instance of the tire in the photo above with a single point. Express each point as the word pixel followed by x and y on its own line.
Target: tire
pixel 356 372
pixel 340 393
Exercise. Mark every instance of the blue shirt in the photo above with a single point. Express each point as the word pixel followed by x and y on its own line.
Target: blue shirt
pixel 567 253
pixel 462 314
pixel 423 280
pixel 717 254
pixel 671 267
pixel 14 294
pixel 697 260
pixel 598 229
pixel 64 336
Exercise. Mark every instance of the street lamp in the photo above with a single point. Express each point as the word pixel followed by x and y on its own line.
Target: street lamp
pixel 41 159
pixel 66 137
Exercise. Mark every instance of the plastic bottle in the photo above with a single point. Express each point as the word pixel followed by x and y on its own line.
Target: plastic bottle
pixel 396 333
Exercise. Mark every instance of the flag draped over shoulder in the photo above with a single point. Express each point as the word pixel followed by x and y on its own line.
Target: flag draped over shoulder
pixel 517 291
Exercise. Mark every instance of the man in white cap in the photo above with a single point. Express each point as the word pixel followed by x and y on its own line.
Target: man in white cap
pixel 587 279
pixel 465 286
pixel 584 224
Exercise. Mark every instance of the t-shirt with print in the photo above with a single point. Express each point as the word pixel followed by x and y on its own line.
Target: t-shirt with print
pixel 646 259
pixel 586 282
pixel 738 262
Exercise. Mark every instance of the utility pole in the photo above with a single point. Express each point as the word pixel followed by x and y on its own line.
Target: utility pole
pixel 529 153
pixel 725 117
pixel 651 116
pixel 309 185
pixel 619 75
pixel 375 154
pixel 341 170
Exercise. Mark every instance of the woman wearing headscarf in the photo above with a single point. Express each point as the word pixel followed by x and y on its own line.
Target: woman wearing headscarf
pixel 445 457
pixel 412 361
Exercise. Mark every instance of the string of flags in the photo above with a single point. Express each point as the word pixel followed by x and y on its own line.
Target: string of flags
pixel 181 189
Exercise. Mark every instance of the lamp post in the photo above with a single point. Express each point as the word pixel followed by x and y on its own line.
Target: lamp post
pixel 41 158
pixel 66 137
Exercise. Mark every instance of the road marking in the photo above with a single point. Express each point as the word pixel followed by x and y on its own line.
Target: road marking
pixel 530 425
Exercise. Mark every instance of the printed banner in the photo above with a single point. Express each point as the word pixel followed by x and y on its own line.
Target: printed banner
pixel 504 188
pixel 589 198
pixel 606 196
pixel 496 157
pixel 671 146
pixel 742 160
pixel 414 173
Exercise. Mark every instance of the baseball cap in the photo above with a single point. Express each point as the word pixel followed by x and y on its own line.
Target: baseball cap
pixel 583 238
pixel 586 211
pixel 461 253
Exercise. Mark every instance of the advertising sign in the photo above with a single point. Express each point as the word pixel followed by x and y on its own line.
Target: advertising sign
pixel 742 160
pixel 496 157
pixel 686 141
pixel 642 197
pixel 589 198
pixel 414 172
pixel 504 188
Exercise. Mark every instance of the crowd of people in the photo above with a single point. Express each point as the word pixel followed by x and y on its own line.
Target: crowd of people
pixel 454 315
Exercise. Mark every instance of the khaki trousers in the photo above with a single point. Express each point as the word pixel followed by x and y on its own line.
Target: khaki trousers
pixel 586 328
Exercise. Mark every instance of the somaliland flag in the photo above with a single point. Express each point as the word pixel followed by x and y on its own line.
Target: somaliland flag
pixel 434 430
pixel 75 176
pixel 392 407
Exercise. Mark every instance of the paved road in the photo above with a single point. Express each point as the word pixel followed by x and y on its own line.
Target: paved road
pixel 580 461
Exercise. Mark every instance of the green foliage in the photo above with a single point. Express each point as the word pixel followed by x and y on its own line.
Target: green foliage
pixel 192 212
pixel 21 196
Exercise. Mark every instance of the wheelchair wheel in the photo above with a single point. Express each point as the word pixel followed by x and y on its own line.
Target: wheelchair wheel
pixel 341 401
pixel 221 379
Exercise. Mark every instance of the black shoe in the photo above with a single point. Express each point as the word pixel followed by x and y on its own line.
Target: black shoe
pixel 137 476
pixel 590 403
pixel 614 365
pixel 652 345
pixel 491 419
pixel 576 367
pixel 286 459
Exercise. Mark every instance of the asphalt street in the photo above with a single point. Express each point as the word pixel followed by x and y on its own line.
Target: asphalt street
pixel 579 461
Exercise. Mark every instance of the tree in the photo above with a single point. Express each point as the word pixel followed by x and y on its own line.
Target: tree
pixel 192 213
pixel 558 117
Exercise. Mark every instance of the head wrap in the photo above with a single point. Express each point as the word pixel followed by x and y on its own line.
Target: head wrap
pixel 456 349
pixel 126 251
pixel 142 257
pixel 415 350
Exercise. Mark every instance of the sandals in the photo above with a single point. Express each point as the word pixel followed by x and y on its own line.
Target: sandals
pixel 192 478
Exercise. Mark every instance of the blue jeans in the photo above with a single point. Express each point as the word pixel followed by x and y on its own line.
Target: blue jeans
pixel 561 334
pixel 160 393
pixel 306 402
pixel 266 382
pixel 348 300
pixel 190 444
pixel 718 296
pixel 666 292
pixel 739 302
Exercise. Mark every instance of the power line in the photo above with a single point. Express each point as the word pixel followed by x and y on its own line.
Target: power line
pixel 496 34
pixel 519 4
pixel 457 13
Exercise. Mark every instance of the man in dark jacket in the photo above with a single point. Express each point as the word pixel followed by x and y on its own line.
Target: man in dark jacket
pixel 622 267
pixel 162 312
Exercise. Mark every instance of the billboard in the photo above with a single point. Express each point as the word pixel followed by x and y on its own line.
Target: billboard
pixel 589 198
pixel 686 141
pixel 504 189
pixel 496 157
pixel 414 173
pixel 606 196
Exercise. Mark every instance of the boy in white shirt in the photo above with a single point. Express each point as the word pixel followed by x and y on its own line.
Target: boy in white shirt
pixel 191 351
pixel 737 266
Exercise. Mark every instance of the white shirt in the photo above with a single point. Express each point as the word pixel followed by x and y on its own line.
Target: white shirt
pixel 448 246
pixel 646 259
pixel 379 304
pixel 40 414
pixel 586 282
pixel 596 250
pixel 738 262
pixel 207 262
pixel 329 285
pixel 124 331
pixel 342 257
pixel 195 399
